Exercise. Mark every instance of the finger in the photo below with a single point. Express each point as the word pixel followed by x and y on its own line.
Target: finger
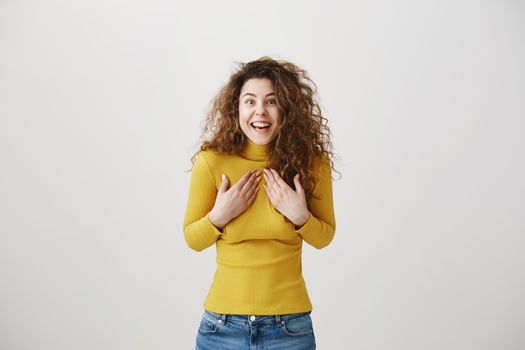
pixel 252 180
pixel 280 182
pixel 244 179
pixel 250 191
pixel 253 195
pixel 268 176
pixel 298 186
pixel 273 186
pixel 224 183
pixel 269 193
pixel 272 181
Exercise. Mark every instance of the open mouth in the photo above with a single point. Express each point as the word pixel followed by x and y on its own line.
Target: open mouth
pixel 260 126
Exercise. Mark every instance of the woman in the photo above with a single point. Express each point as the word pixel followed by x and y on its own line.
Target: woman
pixel 263 121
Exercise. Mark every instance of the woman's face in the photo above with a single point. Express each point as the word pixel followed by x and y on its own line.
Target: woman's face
pixel 257 103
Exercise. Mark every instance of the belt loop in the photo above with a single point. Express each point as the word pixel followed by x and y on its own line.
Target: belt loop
pixel 278 319
pixel 223 319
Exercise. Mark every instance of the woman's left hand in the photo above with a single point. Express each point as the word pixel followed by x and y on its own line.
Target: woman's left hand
pixel 288 202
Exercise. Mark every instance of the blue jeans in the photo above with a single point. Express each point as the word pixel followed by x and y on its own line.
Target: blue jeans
pixel 246 332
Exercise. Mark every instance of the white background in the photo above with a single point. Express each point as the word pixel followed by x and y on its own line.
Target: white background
pixel 101 104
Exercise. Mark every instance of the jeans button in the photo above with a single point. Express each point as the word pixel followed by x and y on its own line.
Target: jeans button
pixel 252 317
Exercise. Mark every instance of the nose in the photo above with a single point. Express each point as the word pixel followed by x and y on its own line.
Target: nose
pixel 260 109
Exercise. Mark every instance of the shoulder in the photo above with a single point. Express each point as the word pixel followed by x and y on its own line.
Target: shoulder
pixel 206 155
pixel 321 167
pixel 321 162
pixel 212 158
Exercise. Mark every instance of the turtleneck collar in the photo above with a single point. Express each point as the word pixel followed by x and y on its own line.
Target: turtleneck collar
pixel 253 151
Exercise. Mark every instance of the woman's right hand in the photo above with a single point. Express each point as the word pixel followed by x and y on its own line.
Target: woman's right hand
pixel 231 203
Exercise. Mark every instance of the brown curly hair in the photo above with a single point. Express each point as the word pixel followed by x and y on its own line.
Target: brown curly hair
pixel 303 134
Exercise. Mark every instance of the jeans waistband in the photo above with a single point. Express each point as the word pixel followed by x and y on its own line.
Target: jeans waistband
pixel 250 319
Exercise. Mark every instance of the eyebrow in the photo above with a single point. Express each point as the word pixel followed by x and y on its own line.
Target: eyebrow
pixel 249 93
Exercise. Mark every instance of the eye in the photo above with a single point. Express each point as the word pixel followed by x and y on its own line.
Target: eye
pixel 272 101
pixel 248 101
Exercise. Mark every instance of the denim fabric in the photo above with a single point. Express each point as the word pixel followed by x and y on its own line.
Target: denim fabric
pixel 240 332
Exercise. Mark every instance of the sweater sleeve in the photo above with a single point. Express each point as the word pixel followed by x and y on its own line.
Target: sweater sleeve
pixel 199 232
pixel 319 230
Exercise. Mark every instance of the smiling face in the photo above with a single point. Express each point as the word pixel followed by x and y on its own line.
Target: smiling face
pixel 258 105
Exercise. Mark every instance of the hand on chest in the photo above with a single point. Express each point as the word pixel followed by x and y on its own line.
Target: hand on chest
pixel 260 221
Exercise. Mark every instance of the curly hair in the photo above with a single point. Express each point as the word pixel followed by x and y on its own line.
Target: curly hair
pixel 303 134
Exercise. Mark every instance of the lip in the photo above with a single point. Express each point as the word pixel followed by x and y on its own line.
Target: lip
pixel 261 131
pixel 261 121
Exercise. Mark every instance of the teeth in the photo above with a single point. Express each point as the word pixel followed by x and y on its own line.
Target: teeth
pixel 260 124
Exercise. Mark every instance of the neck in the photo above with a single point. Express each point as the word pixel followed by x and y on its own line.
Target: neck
pixel 253 151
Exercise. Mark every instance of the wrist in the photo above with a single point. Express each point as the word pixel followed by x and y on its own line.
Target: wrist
pixel 302 220
pixel 215 220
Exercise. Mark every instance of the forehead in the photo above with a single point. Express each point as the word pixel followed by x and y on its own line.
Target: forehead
pixel 257 85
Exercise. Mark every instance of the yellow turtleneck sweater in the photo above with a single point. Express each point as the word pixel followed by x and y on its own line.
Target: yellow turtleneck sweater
pixel 259 269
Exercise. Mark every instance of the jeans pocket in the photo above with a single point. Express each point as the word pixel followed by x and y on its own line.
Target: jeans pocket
pixel 207 327
pixel 297 326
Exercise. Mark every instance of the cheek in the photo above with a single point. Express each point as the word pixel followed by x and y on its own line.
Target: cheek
pixel 279 120
pixel 243 120
pixel 243 114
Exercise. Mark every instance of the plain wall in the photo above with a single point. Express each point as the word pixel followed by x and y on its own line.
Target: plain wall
pixel 101 104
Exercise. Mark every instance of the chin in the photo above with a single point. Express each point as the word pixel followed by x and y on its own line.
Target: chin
pixel 262 140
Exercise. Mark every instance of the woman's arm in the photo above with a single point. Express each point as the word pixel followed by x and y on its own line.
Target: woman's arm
pixel 199 231
pixel 319 229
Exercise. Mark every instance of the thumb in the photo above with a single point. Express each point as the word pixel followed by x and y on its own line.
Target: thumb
pixel 224 183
